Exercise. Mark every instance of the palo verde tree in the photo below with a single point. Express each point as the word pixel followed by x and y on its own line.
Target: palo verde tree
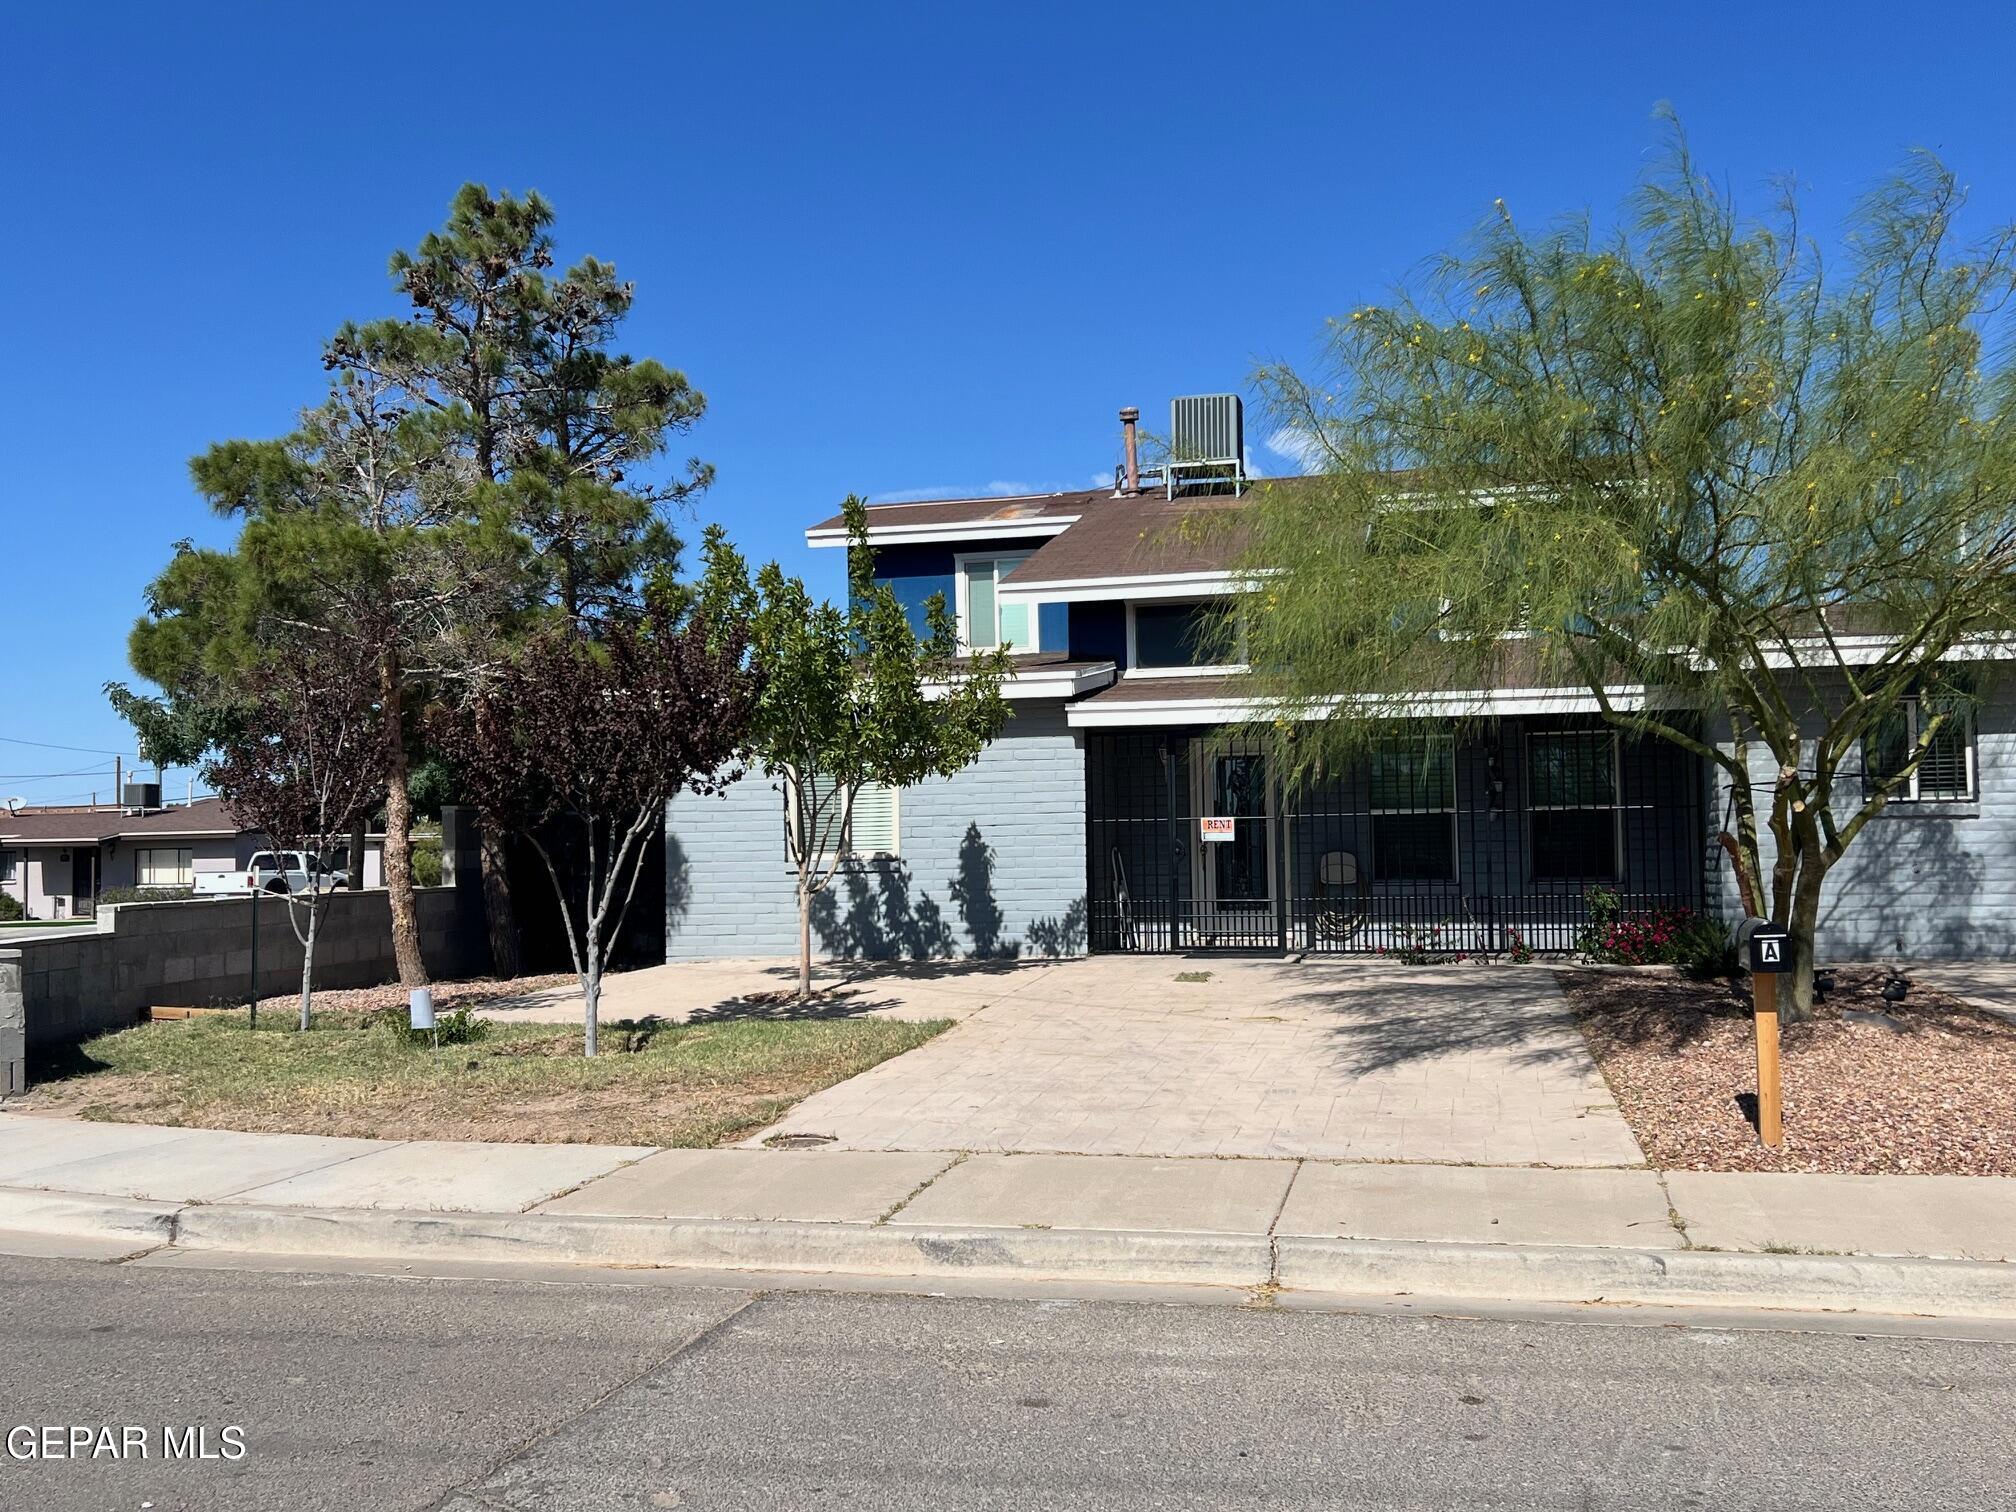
pixel 577 743
pixel 302 760
pixel 1684 456
pixel 559 430
pixel 356 543
pixel 850 697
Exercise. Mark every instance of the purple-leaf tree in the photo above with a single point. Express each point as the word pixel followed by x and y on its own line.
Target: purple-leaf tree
pixel 578 744
pixel 301 766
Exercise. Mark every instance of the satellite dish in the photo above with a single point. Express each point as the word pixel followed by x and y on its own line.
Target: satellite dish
pixel 15 805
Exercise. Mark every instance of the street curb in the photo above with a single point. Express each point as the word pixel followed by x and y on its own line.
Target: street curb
pixel 84 1216
pixel 1573 1273
pixel 1362 1267
pixel 729 1244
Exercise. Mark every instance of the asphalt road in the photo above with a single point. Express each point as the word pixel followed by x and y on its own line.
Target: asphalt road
pixel 471 1396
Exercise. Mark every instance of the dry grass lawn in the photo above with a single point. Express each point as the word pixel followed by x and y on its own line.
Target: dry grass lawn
pixel 656 1084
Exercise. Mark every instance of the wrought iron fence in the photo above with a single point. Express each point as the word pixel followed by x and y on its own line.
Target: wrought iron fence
pixel 1429 845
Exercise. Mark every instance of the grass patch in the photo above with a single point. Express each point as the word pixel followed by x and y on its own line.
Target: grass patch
pixel 657 1084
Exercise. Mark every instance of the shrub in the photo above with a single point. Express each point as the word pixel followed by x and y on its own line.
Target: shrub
pixel 458 1028
pixel 426 863
pixel 1677 937
pixel 11 909
pixel 1421 946
pixel 146 894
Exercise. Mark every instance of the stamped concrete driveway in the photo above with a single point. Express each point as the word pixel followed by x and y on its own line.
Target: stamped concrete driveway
pixel 1157 1055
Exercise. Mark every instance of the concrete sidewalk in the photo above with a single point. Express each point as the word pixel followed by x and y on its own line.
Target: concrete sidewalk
pixel 1882 1243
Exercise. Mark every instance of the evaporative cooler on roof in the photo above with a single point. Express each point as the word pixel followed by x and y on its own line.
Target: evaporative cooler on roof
pixel 1207 444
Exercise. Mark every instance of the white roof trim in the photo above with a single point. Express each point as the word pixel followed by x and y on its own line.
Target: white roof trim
pixel 1500 701
pixel 1045 682
pixel 1035 527
pixel 1148 585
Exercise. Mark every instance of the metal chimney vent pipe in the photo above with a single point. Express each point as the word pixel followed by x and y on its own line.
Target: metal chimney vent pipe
pixel 1130 421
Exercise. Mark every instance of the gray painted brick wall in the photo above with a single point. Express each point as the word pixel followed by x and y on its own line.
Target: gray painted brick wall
pixel 993 863
pixel 1923 881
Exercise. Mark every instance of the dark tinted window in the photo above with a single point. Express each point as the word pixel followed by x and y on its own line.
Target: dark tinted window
pixel 1174 635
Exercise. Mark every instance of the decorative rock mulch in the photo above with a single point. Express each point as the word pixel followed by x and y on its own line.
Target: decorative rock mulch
pixel 1925 1086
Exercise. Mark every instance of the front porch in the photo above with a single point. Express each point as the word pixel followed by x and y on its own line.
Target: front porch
pixel 1477 845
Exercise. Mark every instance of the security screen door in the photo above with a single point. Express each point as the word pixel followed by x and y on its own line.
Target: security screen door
pixel 1235 876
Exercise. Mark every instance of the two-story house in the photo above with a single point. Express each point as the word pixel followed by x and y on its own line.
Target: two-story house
pixel 1113 814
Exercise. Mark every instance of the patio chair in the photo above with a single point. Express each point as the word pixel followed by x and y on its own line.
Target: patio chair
pixel 1343 896
pixel 1123 905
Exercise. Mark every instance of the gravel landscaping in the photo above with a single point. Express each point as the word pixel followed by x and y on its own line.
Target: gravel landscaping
pixel 1926 1086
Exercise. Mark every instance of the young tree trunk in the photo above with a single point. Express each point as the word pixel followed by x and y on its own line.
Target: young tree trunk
pixel 399 832
pixel 591 1009
pixel 308 960
pixel 804 937
pixel 500 917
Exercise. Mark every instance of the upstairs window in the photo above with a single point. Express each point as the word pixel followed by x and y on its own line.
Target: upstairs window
pixel 1414 811
pixel 985 622
pixel 1945 774
pixel 1571 778
pixel 1178 637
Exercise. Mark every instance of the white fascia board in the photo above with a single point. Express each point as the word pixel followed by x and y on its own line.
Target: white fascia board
pixel 1480 703
pixel 1865 650
pixel 1045 682
pixel 963 530
pixel 1163 585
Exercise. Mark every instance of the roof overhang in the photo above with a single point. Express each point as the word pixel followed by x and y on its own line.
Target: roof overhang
pixel 1039 527
pixel 1481 703
pixel 1046 682
pixel 1159 585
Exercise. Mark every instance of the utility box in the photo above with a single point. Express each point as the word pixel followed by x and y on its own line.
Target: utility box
pixel 13 1026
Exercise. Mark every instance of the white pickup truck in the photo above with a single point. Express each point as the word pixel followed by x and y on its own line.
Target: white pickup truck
pixel 273 872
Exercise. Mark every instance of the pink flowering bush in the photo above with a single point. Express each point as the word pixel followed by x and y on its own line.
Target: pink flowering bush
pixel 1678 937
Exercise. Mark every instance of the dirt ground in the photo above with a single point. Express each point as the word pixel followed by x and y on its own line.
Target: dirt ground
pixel 1927 1085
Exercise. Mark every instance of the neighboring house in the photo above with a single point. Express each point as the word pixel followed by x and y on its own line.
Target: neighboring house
pixel 58 861
pixel 1110 815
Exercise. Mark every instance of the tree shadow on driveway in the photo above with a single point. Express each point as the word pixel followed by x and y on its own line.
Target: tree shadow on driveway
pixel 1383 1017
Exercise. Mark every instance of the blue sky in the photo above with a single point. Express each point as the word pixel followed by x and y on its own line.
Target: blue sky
pixel 904 250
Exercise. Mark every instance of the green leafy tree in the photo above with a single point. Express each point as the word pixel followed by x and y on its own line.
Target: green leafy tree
pixel 1683 456
pixel 560 431
pixel 355 543
pixel 850 696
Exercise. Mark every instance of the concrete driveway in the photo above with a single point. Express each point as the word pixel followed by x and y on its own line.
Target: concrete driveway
pixel 1333 1059
pixel 1158 1055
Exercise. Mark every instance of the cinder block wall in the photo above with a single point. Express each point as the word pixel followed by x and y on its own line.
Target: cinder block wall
pixel 199 953
pixel 1921 881
pixel 992 863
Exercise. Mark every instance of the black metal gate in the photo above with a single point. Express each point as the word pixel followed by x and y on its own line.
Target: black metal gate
pixel 1520 837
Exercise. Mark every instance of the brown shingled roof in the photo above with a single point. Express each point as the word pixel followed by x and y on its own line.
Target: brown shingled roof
pixel 206 816
pixel 1141 535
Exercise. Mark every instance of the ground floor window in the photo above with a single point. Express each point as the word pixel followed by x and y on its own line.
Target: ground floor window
pixel 1414 810
pixel 164 866
pixel 1571 778
pixel 9 867
pixel 1945 773
pixel 870 830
